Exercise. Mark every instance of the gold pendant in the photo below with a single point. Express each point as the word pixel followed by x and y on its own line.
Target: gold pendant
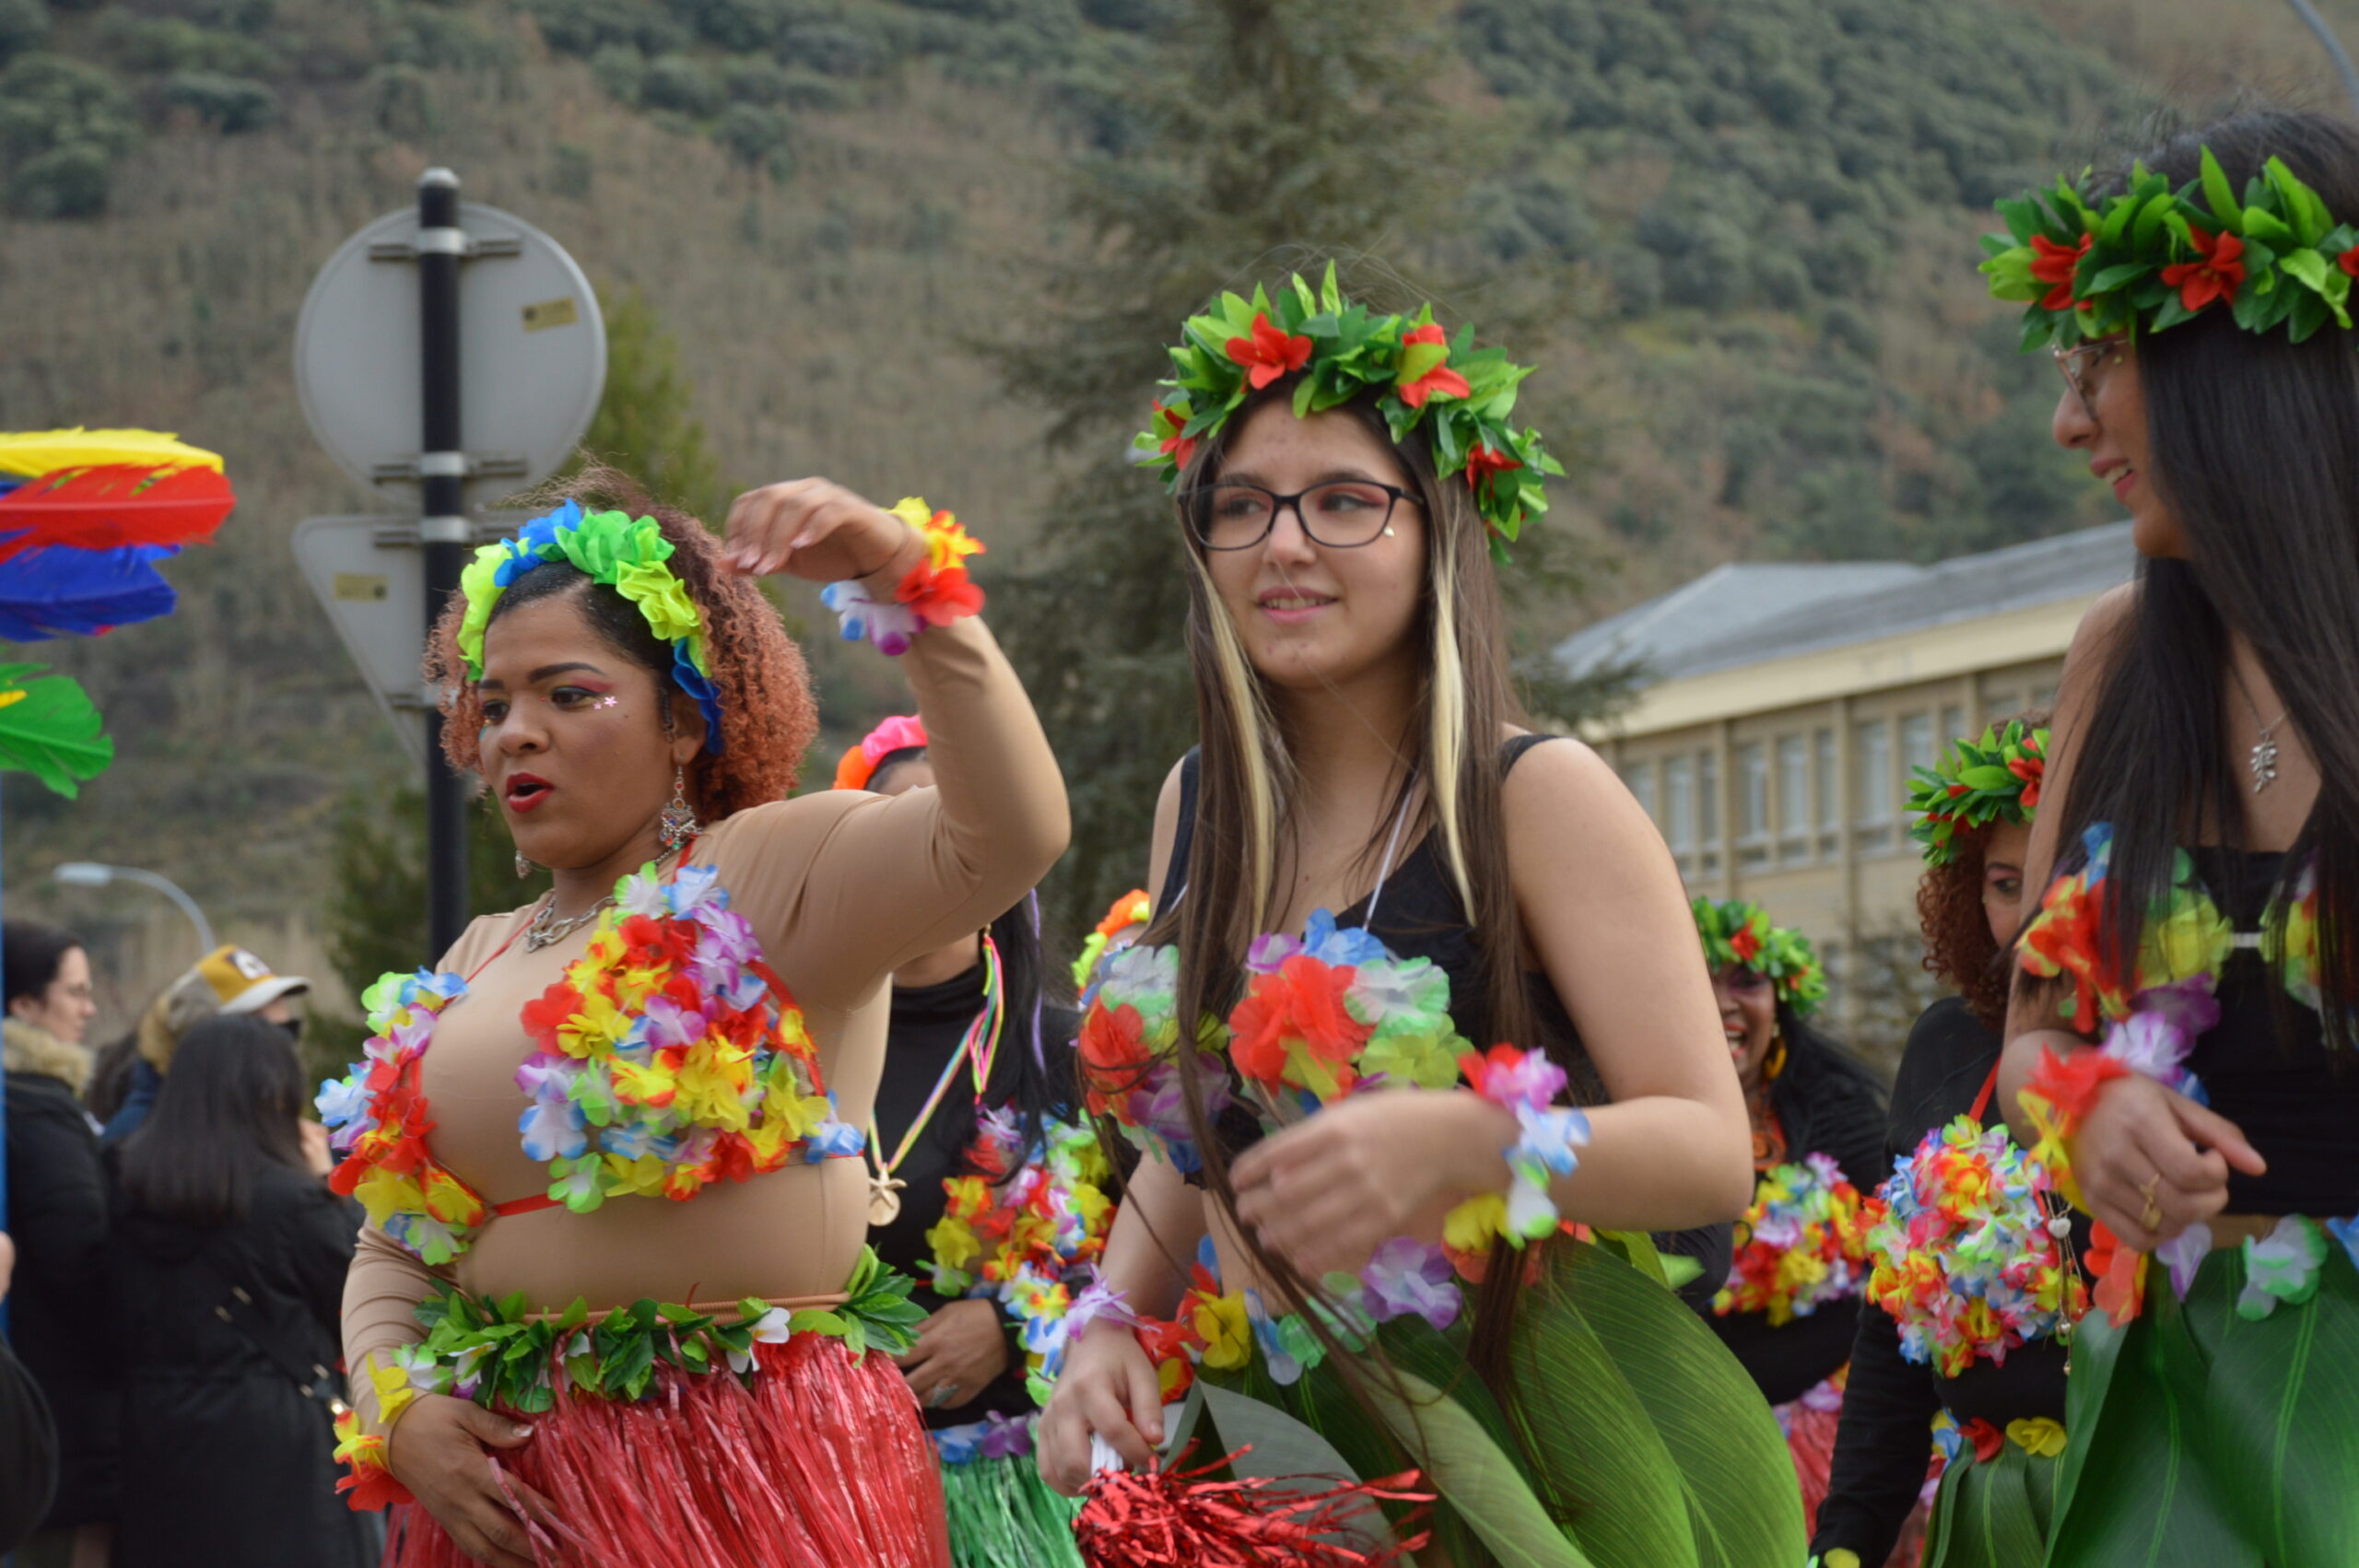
pixel 884 1201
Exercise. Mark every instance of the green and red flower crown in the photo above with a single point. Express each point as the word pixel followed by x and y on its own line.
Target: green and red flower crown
pixel 1737 935
pixel 1995 778
pixel 2149 257
pixel 1464 395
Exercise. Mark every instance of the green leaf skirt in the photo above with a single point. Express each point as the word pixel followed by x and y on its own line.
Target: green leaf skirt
pixel 1632 1438
pixel 2203 1435
pixel 1993 1513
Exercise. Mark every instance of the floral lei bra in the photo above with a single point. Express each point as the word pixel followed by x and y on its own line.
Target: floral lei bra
pixel 668 1056
pixel 1328 1014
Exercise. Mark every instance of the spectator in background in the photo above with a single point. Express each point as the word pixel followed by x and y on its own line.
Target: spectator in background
pixel 58 1217
pixel 227 1271
pixel 228 980
pixel 27 1436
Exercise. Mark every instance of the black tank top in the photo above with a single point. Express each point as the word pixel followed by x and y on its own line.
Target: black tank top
pixel 2266 1065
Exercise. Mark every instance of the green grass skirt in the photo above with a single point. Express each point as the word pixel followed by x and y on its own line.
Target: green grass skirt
pixel 2197 1436
pixel 1633 1440
pixel 1004 1515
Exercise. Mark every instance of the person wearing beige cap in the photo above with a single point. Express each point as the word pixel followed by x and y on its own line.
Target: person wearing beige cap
pixel 228 980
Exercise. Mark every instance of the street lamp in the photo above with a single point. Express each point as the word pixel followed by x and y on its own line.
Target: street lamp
pixel 90 873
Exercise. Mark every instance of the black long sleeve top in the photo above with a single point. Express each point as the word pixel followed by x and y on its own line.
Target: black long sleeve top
pixel 1882 1446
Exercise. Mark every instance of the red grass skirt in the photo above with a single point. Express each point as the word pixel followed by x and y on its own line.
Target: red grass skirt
pixel 822 1463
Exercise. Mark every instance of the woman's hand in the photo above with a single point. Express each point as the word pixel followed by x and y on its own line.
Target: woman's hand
pixel 318 1157
pixel 960 1349
pixel 2140 1141
pixel 820 532
pixel 1326 1193
pixel 436 1451
pixel 1108 1388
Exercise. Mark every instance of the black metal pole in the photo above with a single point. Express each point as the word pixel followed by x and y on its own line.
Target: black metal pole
pixel 443 529
pixel 2335 53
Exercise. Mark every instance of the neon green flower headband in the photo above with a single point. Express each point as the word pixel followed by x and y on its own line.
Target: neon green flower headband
pixel 1737 935
pixel 1996 778
pixel 613 548
pixel 2150 257
pixel 1463 394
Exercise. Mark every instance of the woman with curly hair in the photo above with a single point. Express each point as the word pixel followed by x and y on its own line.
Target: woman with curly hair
pixel 647 1331
pixel 1956 1329
pixel 1790 1305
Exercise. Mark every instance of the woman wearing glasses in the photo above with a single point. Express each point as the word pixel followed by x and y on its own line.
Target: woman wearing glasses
pixel 1417 937
pixel 2179 1035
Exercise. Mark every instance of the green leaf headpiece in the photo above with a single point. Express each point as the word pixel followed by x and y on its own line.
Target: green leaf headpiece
pixel 1737 935
pixel 1463 394
pixel 2150 257
pixel 626 554
pixel 1996 778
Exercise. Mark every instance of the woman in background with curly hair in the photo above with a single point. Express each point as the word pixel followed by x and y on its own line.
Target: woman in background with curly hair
pixel 1969 904
pixel 551 1368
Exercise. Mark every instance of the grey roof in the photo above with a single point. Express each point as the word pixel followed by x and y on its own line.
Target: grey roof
pixel 1741 614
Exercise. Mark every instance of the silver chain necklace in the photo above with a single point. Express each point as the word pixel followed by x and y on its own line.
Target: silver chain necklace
pixel 2262 758
pixel 547 928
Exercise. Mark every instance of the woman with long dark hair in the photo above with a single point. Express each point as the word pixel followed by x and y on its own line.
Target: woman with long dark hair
pixel 614 1302
pixel 58 1217
pixel 1973 1294
pixel 993 1196
pixel 2181 1040
pixel 1397 938
pixel 226 1268
pixel 1791 1303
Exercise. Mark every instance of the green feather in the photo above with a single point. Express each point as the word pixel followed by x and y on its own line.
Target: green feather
pixel 49 729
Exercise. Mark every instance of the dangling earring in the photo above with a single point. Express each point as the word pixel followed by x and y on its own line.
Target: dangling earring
pixel 678 823
pixel 523 866
pixel 1776 1061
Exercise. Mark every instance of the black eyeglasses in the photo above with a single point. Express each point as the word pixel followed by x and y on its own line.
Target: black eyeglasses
pixel 1340 514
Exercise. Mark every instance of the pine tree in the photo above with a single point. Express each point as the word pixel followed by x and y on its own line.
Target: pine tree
pixel 1271 134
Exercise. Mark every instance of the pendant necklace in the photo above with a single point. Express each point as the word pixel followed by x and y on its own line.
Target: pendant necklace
pixel 979 1047
pixel 546 930
pixel 2262 758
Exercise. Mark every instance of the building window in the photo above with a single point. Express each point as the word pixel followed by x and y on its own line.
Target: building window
pixel 1952 727
pixel 1830 819
pixel 1752 803
pixel 1871 784
pixel 2003 706
pixel 1916 750
pixel 1708 811
pixel 1640 777
pixel 2043 696
pixel 1679 807
pixel 1793 797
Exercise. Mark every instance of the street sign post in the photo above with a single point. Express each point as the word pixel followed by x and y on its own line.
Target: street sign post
pixel 468 393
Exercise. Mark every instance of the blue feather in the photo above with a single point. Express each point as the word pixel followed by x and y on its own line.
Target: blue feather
pixel 56 589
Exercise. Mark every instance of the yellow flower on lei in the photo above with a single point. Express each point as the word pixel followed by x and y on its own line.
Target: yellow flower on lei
pixel 390 1387
pixel 953 1240
pixel 1220 1323
pixel 1475 1223
pixel 384 1193
pixel 946 543
pixel 2037 1434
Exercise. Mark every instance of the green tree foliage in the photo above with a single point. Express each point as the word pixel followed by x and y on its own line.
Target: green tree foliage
pixel 1267 125
pixel 646 424
pixel 62 123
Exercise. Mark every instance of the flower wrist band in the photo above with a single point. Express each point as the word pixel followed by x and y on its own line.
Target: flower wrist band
pixel 2059 1097
pixel 1527 1083
pixel 934 593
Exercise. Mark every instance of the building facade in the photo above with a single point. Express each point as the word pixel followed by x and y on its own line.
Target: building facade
pixel 1781 711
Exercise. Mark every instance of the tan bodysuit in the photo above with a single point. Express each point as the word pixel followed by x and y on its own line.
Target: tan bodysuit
pixel 843 887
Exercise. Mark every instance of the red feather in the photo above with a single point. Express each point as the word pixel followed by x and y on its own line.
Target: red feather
pixel 113 505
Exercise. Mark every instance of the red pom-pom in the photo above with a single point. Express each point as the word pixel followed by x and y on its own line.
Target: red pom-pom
pixel 1167 1518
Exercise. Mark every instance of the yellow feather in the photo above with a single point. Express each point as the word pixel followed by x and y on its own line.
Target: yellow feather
pixel 45 452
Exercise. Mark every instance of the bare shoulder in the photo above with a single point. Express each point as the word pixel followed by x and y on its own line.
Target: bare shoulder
pixel 2105 624
pixel 1561 777
pixel 1166 828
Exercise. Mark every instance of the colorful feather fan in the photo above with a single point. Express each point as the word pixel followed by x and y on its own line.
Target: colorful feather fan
pixel 49 728
pixel 28 454
pixel 113 505
pixel 84 517
pixel 57 589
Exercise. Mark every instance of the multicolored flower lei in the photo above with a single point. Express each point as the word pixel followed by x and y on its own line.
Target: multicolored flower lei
pixel 1996 778
pixel 377 1121
pixel 1342 350
pixel 2149 257
pixel 1803 1244
pixel 1526 1083
pixel 1131 1057
pixel 1737 935
pixel 934 593
pixel 674 1042
pixel 501 1355
pixel 1325 1011
pixel 1026 1228
pixel 1964 1258
pixel 625 554
pixel 1123 917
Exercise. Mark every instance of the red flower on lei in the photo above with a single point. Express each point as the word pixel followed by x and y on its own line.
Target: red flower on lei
pixel 2053 263
pixel 1114 1054
pixel 1745 943
pixel 2216 276
pixel 2120 1276
pixel 1482 461
pixel 2032 770
pixel 938 588
pixel 1425 366
pixel 2066 939
pixel 2349 261
pixel 1170 420
pixel 2072 1082
pixel 1269 352
pixel 1987 1440
pixel 1303 1002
